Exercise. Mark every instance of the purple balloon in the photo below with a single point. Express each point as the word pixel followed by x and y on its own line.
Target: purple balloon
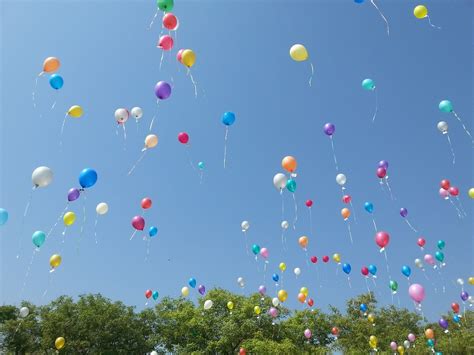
pixel 262 290
pixel 329 129
pixel 464 295
pixel 443 323
pixel 403 212
pixel 273 312
pixel 383 164
pixel 202 289
pixel 73 194
pixel 162 90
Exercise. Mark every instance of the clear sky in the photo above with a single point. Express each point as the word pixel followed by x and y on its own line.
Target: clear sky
pixel 110 60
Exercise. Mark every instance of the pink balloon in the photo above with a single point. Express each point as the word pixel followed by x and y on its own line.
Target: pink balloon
pixel 264 253
pixel 183 137
pixel 411 337
pixel 382 238
pixel 429 259
pixel 393 346
pixel 165 42
pixel 138 223
pixel 307 333
pixel 170 21
pixel 179 55
pixel 273 312
pixel 262 290
pixel 444 193
pixel 417 294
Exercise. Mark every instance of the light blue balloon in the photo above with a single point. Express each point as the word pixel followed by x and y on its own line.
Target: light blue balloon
pixel 153 231
pixel 155 295
pixel 446 106
pixel 87 178
pixel 38 238
pixel 358 1
pixel 228 118
pixel 369 207
pixel 3 216
pixel 372 269
pixel 192 282
pixel 275 277
pixel 456 319
pixel 406 270
pixel 291 185
pixel 346 268
pixel 363 307
pixel 56 81
pixel 201 165
pixel 368 84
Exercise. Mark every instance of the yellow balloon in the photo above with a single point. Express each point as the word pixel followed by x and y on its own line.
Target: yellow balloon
pixel 337 258
pixel 282 295
pixel 373 341
pixel 151 141
pixel 188 58
pixel 298 53
pixel 257 310
pixel 282 267
pixel 471 280
pixel 69 218
pixel 371 318
pixel 420 11
pixel 304 291
pixel 185 291
pixel 75 111
pixel 55 261
pixel 230 305
pixel 401 350
pixel 471 192
pixel 59 343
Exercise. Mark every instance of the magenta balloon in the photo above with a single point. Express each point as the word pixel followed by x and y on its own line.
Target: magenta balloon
pixel 307 333
pixel 138 223
pixel 411 337
pixel 264 253
pixel 162 90
pixel 273 312
pixel 393 346
pixel 262 290
pixel 416 292
pixel 73 194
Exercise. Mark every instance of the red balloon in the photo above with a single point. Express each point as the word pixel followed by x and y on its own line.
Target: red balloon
pixel 308 203
pixel 381 172
pixel 421 242
pixel 382 238
pixel 310 302
pixel 325 258
pixel 148 293
pixel 165 42
pixel 138 223
pixel 364 270
pixel 146 203
pixel 179 55
pixel 455 307
pixel 346 198
pixel 242 351
pixel 314 259
pixel 335 331
pixel 453 191
pixel 445 184
pixel 183 137
pixel 170 21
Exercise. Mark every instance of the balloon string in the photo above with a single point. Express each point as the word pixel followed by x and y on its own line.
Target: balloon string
pixel 246 243
pixel 133 234
pixel 57 220
pixel 147 248
pixel 53 105
pixel 409 225
pixel 162 56
pixel 376 106
pixel 457 209
pixel 354 211
pixel 153 20
pixel 349 281
pixel 310 222
pixel 83 192
pixel 389 189
pixel 386 263
pixel 22 227
pixel 312 73
pixel 350 232
pixel 95 228
pixel 431 24
pixel 137 162
pixel 124 136
pixel 33 94
pixel 62 131
pixel 463 126
pixel 334 153
pixel 296 211
pixel 193 81
pixel 28 269
pixel 368 289
pixel 375 226
pixel 451 147
pixel 461 206
pixel 225 144
pixel 50 281
pixel 383 17
pixel 188 153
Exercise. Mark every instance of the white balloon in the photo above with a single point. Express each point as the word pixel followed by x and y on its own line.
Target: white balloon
pixel 102 208
pixel 341 179
pixel 42 176
pixel 460 282
pixel 470 299
pixel 419 263
pixel 241 281
pixel 443 127
pixel 406 344
pixel 285 224
pixel 275 302
pixel 153 353
pixel 245 226
pixel 121 115
pixel 279 181
pixel 208 304
pixel 297 271
pixel 24 311
pixel 137 112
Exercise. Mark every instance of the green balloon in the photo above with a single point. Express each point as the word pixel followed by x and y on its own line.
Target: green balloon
pixel 393 285
pixel 368 84
pixel 38 238
pixel 439 256
pixel 291 185
pixel 165 5
pixel 441 244
pixel 446 106
pixel 255 249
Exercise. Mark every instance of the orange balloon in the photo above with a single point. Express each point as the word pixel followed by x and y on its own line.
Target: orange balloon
pixel 289 164
pixel 303 242
pixel 345 213
pixel 429 333
pixel 51 64
pixel 301 297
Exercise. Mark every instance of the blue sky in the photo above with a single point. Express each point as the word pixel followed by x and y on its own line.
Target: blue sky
pixel 110 60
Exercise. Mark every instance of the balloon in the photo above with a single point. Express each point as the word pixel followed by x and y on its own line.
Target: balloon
pixel 42 176
pixel 471 192
pixel 310 302
pixel 456 319
pixel 406 344
pixel 183 137
pixel 371 318
pixel 335 331
pixel 179 55
pixel 420 11
pixel 341 179
pixel 453 191
pixel 162 90
pixel 138 223
pixel 439 256
pixel 363 307
pixel 383 164
pixel 382 239
pixel 245 225
pixel 3 216
pixel 152 231
pixel 257 310
pixel 443 323
pixel 87 178
pixel 403 212
pixel 165 42
pixel 442 127
pixel 393 285
pixel 314 259
pixel 429 333
pixel 148 293
pixel 146 203
pixel 151 141
pixel 51 64
pixel 411 337
pixel 393 346
pixel 165 5
pixel 372 269
pixel 275 301
pixel 416 292
pixel 401 349
pixel 329 129
pixel 445 106
pixel 373 341
pixel 282 295
pixel 262 290
pixel 170 21
pixel 201 165
pixel 69 218
pixel 59 343
pixel 298 53
pixel 188 58
pixel 291 185
pixel 471 280
pixel 273 312
pixel 460 282
pixel 208 304
pixel 241 282
pixel 73 194
pixel 337 258
pixel 455 307
pixel 137 112
pixel 282 267
pixel 364 270
pixel 307 333
pixel 429 259
pixel 192 282
pixel 345 213
pixel 325 259
pixel 155 295
pixel 242 351
pixel 368 84
pixel 297 271
pixel 56 81
pixel 121 115
pixel 430 343
pixel 346 268
pixel 228 118
pixel 308 203
pixel 418 263
pixel 381 172
pixel 304 291
pixel 289 164
pixel 230 305
pixel 301 297
pixel 406 270
pixel 185 291
pixel 275 277
pixel 369 207
pixel 255 249
pixel 38 238
pixel 303 242
pixel 464 295
pixel 346 199
pixel 202 289
pixel 421 242
pixel 445 184
pixel 279 181
pixel 75 111
pixel 24 311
